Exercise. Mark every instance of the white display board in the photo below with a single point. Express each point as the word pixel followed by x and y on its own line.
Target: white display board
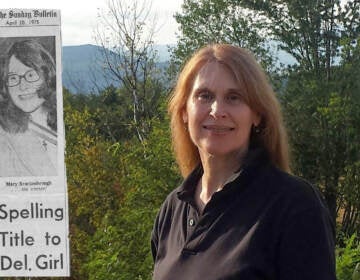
pixel 34 232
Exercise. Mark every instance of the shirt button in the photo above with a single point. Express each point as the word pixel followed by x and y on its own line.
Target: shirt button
pixel 191 222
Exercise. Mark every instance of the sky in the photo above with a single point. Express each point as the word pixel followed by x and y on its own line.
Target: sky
pixel 79 18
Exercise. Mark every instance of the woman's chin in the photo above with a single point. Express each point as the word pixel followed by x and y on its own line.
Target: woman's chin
pixel 219 153
pixel 29 106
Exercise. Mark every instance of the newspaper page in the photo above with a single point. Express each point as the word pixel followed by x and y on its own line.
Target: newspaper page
pixel 33 192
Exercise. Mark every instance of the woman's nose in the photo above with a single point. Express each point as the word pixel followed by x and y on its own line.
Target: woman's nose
pixel 23 84
pixel 217 110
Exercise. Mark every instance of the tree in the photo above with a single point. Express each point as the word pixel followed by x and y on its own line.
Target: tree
pixel 115 188
pixel 323 121
pixel 125 34
pixel 219 21
pixel 308 30
pixel 349 198
pixel 120 248
pixel 93 178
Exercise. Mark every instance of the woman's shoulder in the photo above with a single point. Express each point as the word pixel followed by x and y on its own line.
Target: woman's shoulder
pixel 171 200
pixel 4 139
pixel 184 191
pixel 295 190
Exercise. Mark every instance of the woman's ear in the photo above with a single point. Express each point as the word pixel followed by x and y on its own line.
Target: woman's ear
pixel 256 119
pixel 184 115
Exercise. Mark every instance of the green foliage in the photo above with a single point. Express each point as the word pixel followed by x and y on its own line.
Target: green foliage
pixel 93 182
pixel 308 30
pixel 323 122
pixel 347 258
pixel 129 59
pixel 219 21
pixel 121 246
pixel 349 198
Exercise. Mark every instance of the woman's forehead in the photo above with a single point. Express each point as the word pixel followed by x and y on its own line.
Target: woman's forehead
pixel 215 72
pixel 15 65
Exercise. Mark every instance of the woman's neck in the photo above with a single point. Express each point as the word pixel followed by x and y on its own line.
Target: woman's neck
pixel 39 116
pixel 217 170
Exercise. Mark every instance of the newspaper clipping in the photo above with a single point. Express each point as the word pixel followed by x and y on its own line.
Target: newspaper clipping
pixel 33 192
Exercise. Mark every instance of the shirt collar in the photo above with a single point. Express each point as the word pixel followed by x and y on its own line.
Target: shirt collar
pixel 188 186
pixel 254 158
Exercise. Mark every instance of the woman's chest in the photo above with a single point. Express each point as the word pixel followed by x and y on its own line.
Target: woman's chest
pixel 228 244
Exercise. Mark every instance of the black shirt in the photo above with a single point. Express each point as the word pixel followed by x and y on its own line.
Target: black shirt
pixel 266 224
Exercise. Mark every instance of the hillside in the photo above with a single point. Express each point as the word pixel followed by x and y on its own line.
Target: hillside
pixel 82 69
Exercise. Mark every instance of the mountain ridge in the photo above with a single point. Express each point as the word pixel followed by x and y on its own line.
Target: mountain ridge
pixel 82 71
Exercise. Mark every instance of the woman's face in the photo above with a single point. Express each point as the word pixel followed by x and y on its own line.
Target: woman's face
pixel 219 121
pixel 23 83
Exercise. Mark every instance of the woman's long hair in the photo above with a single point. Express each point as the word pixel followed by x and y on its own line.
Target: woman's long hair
pixel 258 94
pixel 34 55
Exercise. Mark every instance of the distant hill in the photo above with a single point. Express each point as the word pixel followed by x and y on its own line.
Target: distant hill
pixel 82 69
pixel 78 63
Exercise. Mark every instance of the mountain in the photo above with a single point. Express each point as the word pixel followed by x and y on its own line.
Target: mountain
pixel 82 69
pixel 78 62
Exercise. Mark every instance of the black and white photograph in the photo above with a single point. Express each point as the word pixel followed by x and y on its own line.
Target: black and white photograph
pixel 34 223
pixel 28 113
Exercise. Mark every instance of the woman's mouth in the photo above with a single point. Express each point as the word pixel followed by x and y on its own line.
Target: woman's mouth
pixel 27 96
pixel 218 128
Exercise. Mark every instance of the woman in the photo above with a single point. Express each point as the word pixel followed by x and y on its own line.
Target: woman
pixel 28 140
pixel 238 214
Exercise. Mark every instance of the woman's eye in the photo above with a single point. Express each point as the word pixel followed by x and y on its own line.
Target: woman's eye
pixel 234 98
pixel 204 96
